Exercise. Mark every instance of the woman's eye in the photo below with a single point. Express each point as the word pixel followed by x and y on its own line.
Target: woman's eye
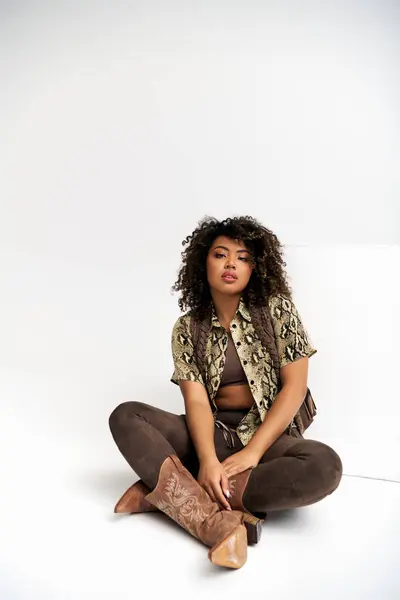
pixel 218 255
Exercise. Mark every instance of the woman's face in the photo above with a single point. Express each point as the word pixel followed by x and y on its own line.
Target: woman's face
pixel 228 257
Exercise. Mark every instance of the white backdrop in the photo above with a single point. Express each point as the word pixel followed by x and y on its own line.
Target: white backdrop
pixel 123 124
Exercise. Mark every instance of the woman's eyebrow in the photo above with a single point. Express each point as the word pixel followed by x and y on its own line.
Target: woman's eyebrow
pixel 225 248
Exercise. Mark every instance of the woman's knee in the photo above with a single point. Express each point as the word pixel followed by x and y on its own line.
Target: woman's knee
pixel 326 467
pixel 124 413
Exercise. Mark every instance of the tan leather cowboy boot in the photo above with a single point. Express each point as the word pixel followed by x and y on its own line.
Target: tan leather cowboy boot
pixel 133 501
pixel 179 495
pixel 237 486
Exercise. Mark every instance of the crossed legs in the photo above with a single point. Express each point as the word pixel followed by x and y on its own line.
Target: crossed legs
pixel 293 472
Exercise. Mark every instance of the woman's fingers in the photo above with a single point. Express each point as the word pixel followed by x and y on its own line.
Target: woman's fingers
pixel 220 496
pixel 215 492
pixel 232 470
pixel 225 484
pixel 210 492
pixel 228 470
pixel 216 484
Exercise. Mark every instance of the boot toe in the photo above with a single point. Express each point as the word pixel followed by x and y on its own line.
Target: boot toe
pixel 232 551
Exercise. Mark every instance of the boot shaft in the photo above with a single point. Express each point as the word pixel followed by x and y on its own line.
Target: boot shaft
pixel 180 496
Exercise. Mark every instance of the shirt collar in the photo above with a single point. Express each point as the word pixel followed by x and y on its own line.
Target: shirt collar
pixel 242 309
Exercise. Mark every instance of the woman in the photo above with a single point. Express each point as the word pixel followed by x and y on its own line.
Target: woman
pixel 241 360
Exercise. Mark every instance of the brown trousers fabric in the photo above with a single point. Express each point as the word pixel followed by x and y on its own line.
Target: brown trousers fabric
pixel 293 472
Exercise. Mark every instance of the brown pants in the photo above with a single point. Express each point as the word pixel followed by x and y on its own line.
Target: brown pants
pixel 293 472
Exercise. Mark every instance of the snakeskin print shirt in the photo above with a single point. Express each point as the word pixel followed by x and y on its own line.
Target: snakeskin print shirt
pixel 292 342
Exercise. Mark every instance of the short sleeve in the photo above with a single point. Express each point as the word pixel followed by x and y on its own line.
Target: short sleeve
pixel 185 366
pixel 291 336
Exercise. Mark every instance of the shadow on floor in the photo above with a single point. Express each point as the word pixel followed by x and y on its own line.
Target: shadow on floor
pixel 106 487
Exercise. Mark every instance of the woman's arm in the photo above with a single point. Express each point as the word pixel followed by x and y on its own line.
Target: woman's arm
pixel 294 350
pixel 285 406
pixel 279 416
pixel 200 423
pixel 199 418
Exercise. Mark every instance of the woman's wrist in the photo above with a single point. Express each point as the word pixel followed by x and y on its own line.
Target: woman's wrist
pixel 207 457
pixel 254 451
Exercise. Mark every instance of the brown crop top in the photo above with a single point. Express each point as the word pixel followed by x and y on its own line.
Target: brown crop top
pixel 233 373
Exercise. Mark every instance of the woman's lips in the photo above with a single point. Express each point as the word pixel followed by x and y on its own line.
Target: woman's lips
pixel 229 278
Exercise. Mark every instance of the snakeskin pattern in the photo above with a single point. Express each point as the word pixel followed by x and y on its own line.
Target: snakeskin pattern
pixel 259 361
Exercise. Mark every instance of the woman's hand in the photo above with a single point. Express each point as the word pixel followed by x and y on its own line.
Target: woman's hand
pixel 213 479
pixel 239 462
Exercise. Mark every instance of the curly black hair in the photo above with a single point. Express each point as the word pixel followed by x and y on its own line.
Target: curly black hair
pixel 268 276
